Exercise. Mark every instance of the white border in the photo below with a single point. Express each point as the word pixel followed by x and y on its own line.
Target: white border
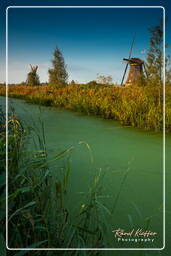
pixel 71 249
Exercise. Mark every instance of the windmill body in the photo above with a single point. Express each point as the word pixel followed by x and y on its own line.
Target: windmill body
pixel 135 71
pixel 32 76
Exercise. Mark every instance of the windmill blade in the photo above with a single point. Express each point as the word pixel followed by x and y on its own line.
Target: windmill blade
pixel 130 53
pixel 145 70
pixel 124 74
pixel 31 67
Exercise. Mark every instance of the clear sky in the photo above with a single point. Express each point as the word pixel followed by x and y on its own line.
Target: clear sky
pixel 92 40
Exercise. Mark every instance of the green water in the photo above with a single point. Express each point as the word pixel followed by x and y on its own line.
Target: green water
pixel 114 150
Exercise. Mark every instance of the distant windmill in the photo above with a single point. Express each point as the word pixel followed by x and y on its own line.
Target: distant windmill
pixel 136 69
pixel 32 76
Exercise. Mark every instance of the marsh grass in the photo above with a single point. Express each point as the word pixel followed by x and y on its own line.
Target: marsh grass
pixel 38 215
pixel 140 107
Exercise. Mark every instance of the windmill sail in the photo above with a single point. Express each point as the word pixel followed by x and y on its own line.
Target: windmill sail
pixel 130 53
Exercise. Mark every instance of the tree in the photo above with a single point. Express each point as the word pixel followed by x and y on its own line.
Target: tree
pixel 58 75
pixel 154 62
pixel 168 70
pixel 101 79
pixel 73 82
pixel 32 76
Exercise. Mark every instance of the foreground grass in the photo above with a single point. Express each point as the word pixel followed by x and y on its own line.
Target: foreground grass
pixel 140 107
pixel 38 216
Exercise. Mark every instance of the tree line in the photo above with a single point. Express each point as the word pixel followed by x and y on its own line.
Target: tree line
pixel 58 75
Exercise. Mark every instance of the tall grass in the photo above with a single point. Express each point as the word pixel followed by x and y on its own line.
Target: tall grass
pixel 38 215
pixel 140 107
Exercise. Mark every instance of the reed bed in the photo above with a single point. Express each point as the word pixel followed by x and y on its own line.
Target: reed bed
pixel 140 107
pixel 38 216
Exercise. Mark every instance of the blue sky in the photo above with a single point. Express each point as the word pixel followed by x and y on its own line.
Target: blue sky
pixel 92 40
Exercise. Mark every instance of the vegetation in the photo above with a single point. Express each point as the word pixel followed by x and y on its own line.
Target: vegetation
pixel 101 79
pixel 32 77
pixel 140 107
pixel 58 75
pixel 38 215
pixel 154 62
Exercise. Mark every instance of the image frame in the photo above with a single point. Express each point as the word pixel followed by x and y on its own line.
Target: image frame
pixel 7 60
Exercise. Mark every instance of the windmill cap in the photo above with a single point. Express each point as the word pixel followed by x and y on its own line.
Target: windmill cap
pixel 134 60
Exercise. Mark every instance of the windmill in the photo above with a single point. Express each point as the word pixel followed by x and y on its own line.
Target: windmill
pixel 32 76
pixel 34 68
pixel 136 69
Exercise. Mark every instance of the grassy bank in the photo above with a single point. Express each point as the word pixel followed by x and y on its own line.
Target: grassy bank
pixel 140 107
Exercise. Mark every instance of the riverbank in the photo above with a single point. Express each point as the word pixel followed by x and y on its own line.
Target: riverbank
pixel 139 107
